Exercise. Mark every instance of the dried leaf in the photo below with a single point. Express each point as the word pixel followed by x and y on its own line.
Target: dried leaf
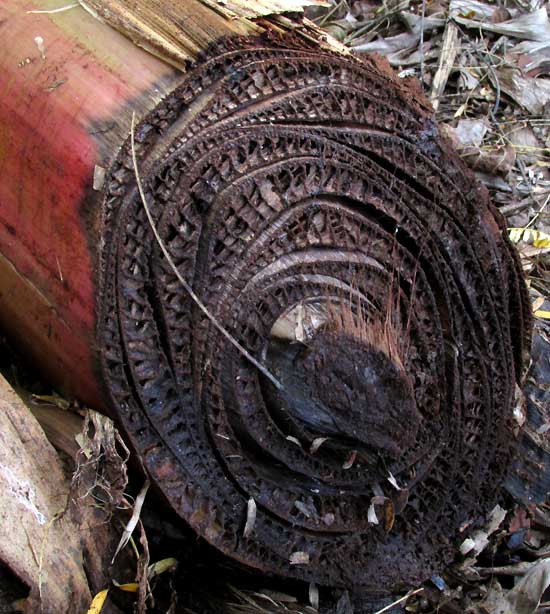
pixel 526 144
pixel 417 24
pixel 467 80
pixel 494 182
pixel 460 111
pixel 371 515
pixel 98 602
pixel 250 517
pixel 317 443
pixel 478 542
pixel 402 49
pixel 389 515
pixel 390 45
pixel 532 57
pixel 471 132
pixel 314 596
pixel 155 569
pixel 393 482
pixel 400 500
pixel 473 9
pixel 497 160
pixel 129 587
pixel 532 26
pixel 350 460
pixel 52 399
pixel 537 238
pixel 525 597
pixel 532 94
pixel 294 440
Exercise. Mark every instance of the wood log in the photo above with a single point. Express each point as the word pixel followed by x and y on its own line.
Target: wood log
pixel 336 396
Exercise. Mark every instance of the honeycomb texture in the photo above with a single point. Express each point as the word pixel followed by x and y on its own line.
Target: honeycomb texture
pixel 278 174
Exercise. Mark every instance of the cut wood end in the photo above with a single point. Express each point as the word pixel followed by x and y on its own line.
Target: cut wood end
pixel 157 28
pixel 250 9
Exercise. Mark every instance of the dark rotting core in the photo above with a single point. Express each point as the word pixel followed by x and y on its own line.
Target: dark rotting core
pixel 283 177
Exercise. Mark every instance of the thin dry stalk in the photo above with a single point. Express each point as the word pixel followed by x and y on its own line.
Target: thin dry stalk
pixel 183 281
pixel 144 590
pixel 132 523
pixel 398 601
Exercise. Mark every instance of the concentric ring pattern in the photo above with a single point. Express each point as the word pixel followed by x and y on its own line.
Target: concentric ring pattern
pixel 280 177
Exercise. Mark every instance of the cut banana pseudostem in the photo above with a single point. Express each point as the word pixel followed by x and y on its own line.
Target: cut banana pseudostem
pixel 348 357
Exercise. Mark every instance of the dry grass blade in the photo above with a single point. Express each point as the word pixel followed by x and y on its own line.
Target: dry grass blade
pixel 132 523
pixel 265 602
pixel 250 518
pixel 398 601
pixel 313 595
pixel 317 443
